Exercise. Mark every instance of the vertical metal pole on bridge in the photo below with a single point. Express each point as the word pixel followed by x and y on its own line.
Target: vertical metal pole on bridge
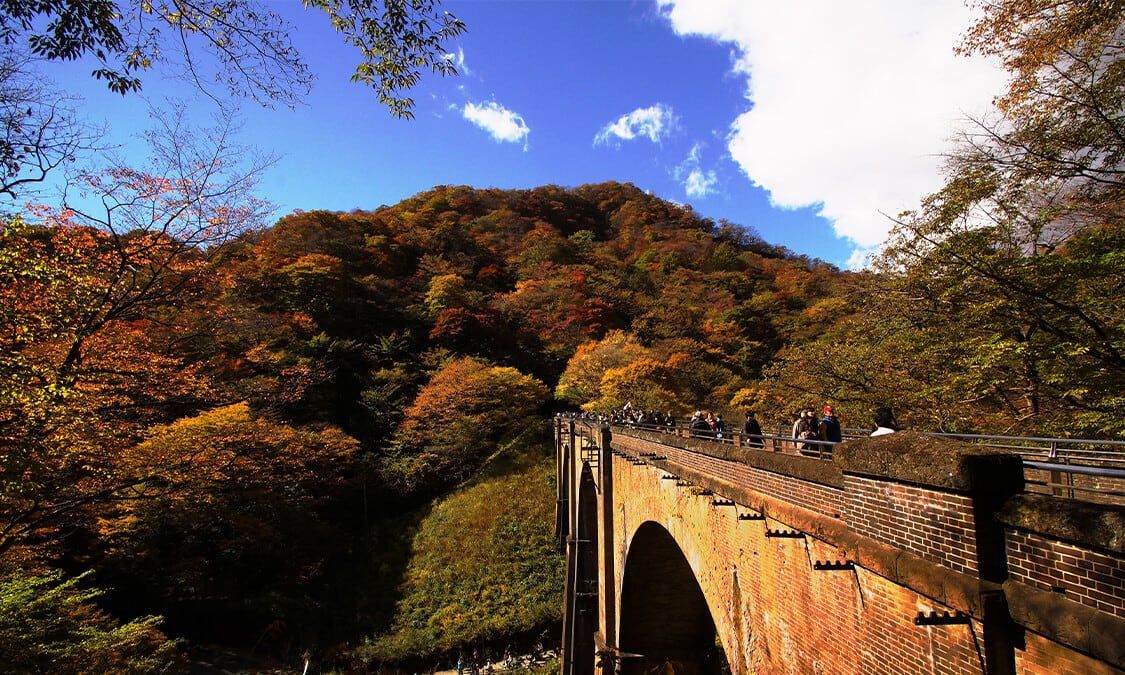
pixel 1061 482
pixel 571 473
pixel 562 518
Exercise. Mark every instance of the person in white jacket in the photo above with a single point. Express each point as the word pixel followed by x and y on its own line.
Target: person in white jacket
pixel 885 422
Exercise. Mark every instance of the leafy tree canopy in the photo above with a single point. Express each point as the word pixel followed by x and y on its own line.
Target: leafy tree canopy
pixel 1018 257
pixel 243 44
pixel 51 624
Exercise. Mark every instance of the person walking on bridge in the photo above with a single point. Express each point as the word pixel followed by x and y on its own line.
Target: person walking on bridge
pixel 885 422
pixel 808 427
pixel 752 431
pixel 830 426
pixel 699 425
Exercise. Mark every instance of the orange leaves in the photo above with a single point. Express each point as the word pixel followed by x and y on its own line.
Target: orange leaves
pixel 456 326
pixel 457 419
pixel 86 320
pixel 466 390
pixel 231 444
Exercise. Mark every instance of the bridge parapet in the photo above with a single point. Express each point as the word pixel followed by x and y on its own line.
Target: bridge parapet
pixel 1066 572
pixel 941 521
pixel 931 497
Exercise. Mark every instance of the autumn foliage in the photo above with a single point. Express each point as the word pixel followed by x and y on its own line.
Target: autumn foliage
pixel 229 424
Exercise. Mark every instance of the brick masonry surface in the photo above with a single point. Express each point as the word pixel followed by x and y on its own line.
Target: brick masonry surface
pixel 823 499
pixel 771 607
pixel 775 612
pixel 932 524
pixel 1040 656
pixel 820 498
pixel 1090 577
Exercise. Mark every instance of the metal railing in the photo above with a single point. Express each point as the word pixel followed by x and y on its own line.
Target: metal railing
pixel 1064 467
pixel 1093 470
pixel 1108 454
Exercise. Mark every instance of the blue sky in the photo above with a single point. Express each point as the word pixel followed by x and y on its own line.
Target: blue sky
pixel 804 121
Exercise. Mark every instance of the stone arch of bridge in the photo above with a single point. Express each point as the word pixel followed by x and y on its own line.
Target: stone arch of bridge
pixel 666 624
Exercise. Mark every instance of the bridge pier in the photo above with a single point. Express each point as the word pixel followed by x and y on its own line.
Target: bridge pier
pixel 589 626
pixel 606 637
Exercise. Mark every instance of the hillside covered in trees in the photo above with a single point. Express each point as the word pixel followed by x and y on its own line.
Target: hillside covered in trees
pixel 266 440
pixel 246 433
pixel 324 440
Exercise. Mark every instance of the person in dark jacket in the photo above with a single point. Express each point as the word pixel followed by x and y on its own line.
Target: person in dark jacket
pixel 699 425
pixel 752 431
pixel 830 426
pixel 885 422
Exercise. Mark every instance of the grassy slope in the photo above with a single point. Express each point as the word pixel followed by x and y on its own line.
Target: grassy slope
pixel 484 565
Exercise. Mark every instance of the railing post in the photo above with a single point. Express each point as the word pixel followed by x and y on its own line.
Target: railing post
pixel 1061 482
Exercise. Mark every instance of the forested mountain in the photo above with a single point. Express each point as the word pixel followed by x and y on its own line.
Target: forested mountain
pixel 324 439
pixel 242 432
pixel 258 437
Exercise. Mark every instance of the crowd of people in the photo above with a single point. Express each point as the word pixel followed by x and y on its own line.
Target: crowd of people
pixel 811 433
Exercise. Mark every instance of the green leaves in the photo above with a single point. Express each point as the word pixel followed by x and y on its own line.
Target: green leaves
pixel 398 40
pixel 51 624
pixel 485 565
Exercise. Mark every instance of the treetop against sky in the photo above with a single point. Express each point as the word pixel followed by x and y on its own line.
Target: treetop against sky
pixel 812 124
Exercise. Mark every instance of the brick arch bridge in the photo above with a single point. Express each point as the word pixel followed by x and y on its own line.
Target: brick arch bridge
pixel 902 554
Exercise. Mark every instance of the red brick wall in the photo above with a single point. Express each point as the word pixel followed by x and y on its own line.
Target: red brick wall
pixel 931 524
pixel 1044 657
pixel 1090 577
pixel 823 499
pixel 772 608
pixel 776 614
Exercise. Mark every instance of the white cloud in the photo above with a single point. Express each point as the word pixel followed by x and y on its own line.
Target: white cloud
pixel 851 105
pixel 654 122
pixel 458 61
pixel 697 182
pixel 502 124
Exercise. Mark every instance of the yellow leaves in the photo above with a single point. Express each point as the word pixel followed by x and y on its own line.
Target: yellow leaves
pixel 107 527
pixel 230 443
pixel 642 383
pixel 827 310
pixel 756 398
pixel 449 291
pixel 582 380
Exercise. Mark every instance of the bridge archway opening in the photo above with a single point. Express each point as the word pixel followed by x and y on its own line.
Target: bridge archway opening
pixel 666 626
